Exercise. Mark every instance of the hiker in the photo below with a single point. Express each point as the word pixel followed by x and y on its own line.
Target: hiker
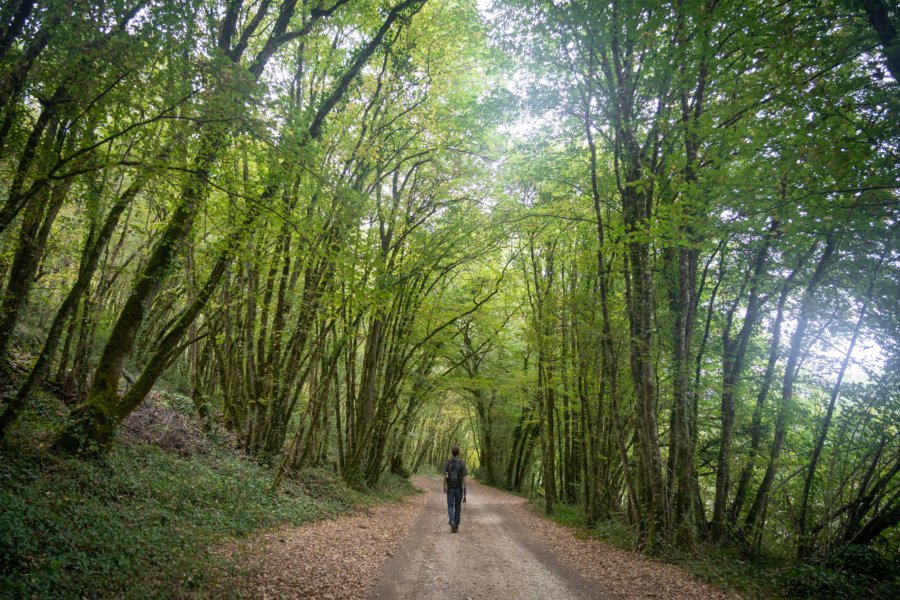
pixel 455 487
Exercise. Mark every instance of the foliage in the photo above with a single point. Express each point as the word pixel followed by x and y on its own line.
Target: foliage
pixel 852 571
pixel 139 522
pixel 638 257
pixel 757 576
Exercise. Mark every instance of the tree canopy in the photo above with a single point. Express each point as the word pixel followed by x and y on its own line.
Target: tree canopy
pixel 639 257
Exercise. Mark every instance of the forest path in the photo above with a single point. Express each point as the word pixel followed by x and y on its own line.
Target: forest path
pixel 505 550
pixel 495 554
pixel 404 551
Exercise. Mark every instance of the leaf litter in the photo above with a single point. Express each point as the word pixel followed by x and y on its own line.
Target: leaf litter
pixel 626 574
pixel 333 559
pixel 342 558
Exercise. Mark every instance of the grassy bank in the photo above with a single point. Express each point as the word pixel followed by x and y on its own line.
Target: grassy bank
pixel 138 523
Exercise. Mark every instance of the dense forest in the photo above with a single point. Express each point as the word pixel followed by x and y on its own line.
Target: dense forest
pixel 639 258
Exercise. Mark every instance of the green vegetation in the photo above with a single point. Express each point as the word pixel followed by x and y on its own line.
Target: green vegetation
pixel 697 334
pixel 851 573
pixel 639 257
pixel 140 521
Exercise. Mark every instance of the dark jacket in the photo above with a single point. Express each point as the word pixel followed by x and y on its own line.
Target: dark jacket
pixel 462 473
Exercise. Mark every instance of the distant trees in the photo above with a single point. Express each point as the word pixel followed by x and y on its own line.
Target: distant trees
pixel 305 216
pixel 717 209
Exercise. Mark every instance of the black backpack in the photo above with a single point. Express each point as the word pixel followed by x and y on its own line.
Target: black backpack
pixel 453 478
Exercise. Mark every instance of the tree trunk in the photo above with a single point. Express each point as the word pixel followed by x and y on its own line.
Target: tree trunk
pixel 33 235
pixel 756 429
pixel 733 355
pixel 879 18
pixel 804 547
pixel 97 245
pixel 755 518
pixel 94 421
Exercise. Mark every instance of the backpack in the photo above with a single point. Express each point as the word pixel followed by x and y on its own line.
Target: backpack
pixel 453 478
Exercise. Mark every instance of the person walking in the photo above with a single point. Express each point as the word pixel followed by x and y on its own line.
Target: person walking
pixel 455 487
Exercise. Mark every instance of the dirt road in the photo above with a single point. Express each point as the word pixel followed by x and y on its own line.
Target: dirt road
pixel 404 550
pixel 495 555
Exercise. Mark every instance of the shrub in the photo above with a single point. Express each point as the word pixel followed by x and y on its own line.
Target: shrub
pixel 814 581
pixel 861 561
pixel 849 573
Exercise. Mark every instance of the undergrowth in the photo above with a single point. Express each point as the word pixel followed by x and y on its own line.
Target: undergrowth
pixel 138 522
pixel 850 573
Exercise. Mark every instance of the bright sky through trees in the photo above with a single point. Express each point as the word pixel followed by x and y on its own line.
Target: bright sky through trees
pixel 620 249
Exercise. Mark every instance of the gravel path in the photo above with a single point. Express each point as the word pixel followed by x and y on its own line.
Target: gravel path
pixel 405 551
pixel 494 555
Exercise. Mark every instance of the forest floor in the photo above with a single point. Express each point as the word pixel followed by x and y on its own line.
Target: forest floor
pixel 404 550
pixel 138 522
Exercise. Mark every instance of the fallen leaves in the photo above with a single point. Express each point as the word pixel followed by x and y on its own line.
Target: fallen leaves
pixel 342 558
pixel 628 575
pixel 335 559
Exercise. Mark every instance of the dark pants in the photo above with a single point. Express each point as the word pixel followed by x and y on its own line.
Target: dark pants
pixel 454 505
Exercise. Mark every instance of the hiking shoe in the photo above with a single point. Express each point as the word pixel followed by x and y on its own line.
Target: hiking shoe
pixel 454 528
